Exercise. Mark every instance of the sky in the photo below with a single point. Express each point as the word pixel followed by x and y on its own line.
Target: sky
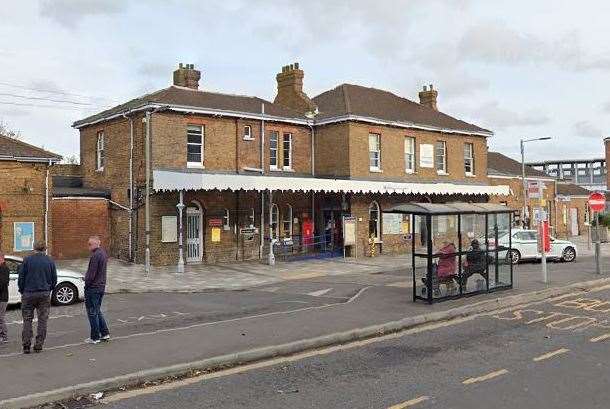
pixel 522 68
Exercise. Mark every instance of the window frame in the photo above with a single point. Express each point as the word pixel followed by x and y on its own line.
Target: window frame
pixel 289 135
pixel 191 164
pixel 100 154
pixel 471 159
pixel 374 207
pixel 287 219
pixel 248 135
pixel 377 167
pixel 413 153
pixel 442 171
pixel 275 215
pixel 273 135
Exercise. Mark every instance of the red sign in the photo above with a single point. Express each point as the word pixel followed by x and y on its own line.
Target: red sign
pixel 597 201
pixel 544 238
pixel 215 222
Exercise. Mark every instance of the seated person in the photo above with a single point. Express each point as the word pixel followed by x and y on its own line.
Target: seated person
pixel 445 270
pixel 476 262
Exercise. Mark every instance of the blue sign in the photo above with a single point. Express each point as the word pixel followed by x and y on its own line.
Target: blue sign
pixel 24 236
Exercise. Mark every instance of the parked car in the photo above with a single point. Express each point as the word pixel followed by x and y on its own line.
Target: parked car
pixel 70 285
pixel 525 247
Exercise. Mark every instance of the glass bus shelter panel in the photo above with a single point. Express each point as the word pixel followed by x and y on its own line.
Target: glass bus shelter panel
pixel 474 258
pixel 444 278
pixel 420 234
pixel 499 246
pixel 445 234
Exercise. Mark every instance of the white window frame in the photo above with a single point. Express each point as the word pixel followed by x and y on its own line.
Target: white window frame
pixel 374 206
pixel 442 171
pixel 99 151
pixel 410 143
pixel 375 167
pixel 226 221
pixel 287 220
pixel 289 166
pixel 199 164
pixel 274 219
pixel 273 135
pixel 248 133
pixel 469 159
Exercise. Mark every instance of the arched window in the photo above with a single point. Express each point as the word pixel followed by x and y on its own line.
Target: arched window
pixel 274 225
pixel 374 221
pixel 287 222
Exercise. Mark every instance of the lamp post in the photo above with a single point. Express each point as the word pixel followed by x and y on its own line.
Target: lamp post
pixel 523 142
pixel 180 207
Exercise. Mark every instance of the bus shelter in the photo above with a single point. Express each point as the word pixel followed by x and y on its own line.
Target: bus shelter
pixel 458 249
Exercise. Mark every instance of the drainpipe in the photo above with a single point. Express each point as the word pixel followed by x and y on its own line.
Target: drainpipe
pixel 271 257
pixel 46 209
pixel 130 238
pixel 262 139
pixel 261 246
pixel 313 150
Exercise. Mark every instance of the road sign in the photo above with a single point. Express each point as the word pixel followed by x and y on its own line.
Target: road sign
pixel 597 201
pixel 534 189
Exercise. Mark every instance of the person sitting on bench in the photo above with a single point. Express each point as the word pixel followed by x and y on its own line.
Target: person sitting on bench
pixel 476 262
pixel 445 269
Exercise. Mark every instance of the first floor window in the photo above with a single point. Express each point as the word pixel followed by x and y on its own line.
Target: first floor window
pixel 374 151
pixel 194 145
pixel 287 150
pixel 374 221
pixel 409 154
pixel 287 222
pixel 440 156
pixel 274 221
pixel 273 136
pixel 469 159
pixel 248 132
pixel 99 151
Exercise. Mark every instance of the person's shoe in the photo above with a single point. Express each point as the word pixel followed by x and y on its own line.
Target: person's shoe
pixel 37 349
pixel 92 341
pixel 3 341
pixel 105 338
pixel 26 350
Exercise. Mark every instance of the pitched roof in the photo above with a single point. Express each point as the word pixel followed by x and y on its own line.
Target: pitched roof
pixel 187 97
pixel 13 149
pixel 502 165
pixel 570 189
pixel 349 99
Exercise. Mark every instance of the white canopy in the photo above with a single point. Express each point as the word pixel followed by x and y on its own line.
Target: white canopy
pixel 168 180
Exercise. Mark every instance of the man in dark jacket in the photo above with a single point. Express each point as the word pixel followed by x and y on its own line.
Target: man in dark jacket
pixel 37 279
pixel 95 286
pixel 4 281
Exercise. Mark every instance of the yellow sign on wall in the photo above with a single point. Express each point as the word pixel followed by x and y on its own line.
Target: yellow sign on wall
pixel 215 234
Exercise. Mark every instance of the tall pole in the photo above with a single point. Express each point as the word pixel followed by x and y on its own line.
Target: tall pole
pixel 180 207
pixel 524 209
pixel 598 269
pixel 147 198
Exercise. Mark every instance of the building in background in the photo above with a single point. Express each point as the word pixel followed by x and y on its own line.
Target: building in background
pixel 591 174
pixel 572 208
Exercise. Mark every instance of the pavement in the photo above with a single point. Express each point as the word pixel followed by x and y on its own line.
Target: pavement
pixel 129 277
pixel 550 355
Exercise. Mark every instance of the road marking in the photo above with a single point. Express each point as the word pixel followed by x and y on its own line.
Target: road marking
pixel 551 354
pixel 487 377
pixel 320 292
pixel 410 403
pixel 600 338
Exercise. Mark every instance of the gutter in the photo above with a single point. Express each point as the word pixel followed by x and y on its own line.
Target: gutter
pixel 29 159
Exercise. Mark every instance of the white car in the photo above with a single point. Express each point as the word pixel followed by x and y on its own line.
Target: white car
pixel 70 285
pixel 525 247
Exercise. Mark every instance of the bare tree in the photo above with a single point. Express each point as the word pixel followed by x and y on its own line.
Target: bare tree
pixel 71 160
pixel 6 130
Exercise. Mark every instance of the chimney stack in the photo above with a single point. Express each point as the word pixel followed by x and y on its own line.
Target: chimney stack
pixel 187 76
pixel 428 97
pixel 290 89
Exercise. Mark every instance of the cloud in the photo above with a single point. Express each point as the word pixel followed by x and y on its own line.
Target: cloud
pixel 586 129
pixel 70 13
pixel 497 43
pixel 496 117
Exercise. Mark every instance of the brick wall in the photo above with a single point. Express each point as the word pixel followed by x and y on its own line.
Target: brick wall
pixel 332 150
pixel 77 220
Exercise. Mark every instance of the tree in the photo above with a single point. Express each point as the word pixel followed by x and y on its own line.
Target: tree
pixel 7 131
pixel 71 160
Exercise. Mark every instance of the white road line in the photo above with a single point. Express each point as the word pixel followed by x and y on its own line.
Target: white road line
pixel 551 354
pixel 410 403
pixel 320 292
pixel 600 338
pixel 487 377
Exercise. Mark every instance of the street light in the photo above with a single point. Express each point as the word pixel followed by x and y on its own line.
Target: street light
pixel 523 142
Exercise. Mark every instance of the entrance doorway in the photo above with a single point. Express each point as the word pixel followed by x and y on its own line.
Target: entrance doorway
pixel 194 240
pixel 574 221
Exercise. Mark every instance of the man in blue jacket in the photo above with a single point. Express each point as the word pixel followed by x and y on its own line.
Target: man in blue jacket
pixel 95 286
pixel 37 279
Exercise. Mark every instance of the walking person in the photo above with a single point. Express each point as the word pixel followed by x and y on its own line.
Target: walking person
pixel 37 279
pixel 4 282
pixel 95 286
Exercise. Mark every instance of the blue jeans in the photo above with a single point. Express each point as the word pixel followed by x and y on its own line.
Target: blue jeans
pixel 93 304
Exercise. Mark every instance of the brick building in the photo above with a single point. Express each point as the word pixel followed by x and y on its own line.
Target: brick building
pixel 229 173
pixel 25 186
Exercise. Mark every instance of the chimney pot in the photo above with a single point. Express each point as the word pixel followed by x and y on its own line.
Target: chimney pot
pixel 187 76
pixel 290 89
pixel 428 97
pixel 296 65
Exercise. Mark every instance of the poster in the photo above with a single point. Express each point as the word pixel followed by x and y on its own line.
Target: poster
pixel 215 234
pixel 349 231
pixel 24 236
pixel 392 223
pixel 426 156
pixel 169 229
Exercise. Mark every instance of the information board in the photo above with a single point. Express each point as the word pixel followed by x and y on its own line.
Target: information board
pixel 392 223
pixel 169 229
pixel 349 230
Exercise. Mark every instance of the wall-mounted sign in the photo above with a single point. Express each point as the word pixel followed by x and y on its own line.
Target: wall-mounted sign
pixel 23 236
pixel 215 222
pixel 169 229
pixel 426 156
pixel 534 189
pixel 349 230
pixel 392 223
pixel 215 234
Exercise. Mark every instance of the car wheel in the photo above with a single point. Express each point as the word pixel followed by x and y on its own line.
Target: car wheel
pixel 514 256
pixel 65 294
pixel 569 254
